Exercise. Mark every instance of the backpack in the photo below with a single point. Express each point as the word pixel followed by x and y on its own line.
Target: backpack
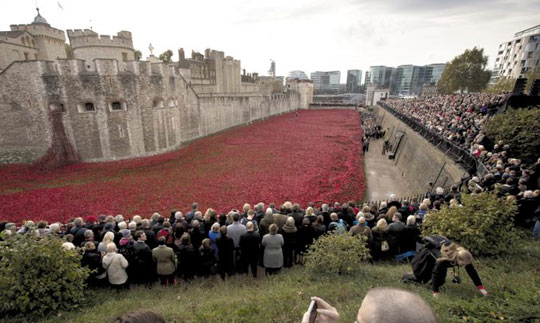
pixel 424 261
pixel 128 251
pixel 338 227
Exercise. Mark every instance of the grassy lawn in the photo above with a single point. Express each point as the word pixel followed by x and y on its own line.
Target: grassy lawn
pixel 513 283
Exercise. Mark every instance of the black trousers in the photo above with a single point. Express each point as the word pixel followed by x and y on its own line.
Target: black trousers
pixel 250 263
pixel 166 279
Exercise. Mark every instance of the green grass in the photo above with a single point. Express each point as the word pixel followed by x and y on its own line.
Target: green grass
pixel 513 283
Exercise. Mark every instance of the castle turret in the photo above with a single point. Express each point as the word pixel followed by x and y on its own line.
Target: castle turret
pixel 88 45
pixel 51 42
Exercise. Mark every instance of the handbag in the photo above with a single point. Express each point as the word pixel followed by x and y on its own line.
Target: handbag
pixel 384 244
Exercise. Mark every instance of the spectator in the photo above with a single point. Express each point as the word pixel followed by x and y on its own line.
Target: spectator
pixel 249 249
pixel 411 235
pixel 273 255
pixel 288 231
pixel 187 258
pixel 115 264
pixel 207 258
pixel 381 304
pixel 144 268
pixel 225 246
pixel 395 234
pixel 305 236
pixel 213 236
pixel 362 229
pixel 379 246
pixel 92 259
pixel 266 221
pixel 165 262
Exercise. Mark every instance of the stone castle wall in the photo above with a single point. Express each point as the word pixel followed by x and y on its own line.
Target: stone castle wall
pixel 140 108
pixel 419 161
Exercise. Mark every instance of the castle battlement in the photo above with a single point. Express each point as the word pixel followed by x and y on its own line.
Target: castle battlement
pixel 86 37
pixel 40 30
pixel 100 66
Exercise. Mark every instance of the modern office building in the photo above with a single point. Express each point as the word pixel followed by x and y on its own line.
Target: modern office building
pixel 519 56
pixel 326 82
pixel 405 80
pixel 354 81
pixel 382 76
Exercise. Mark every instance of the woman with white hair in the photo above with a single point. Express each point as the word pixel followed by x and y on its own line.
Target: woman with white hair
pixel 411 235
pixel 115 264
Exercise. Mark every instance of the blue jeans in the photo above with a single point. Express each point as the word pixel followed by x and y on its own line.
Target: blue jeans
pixel 536 230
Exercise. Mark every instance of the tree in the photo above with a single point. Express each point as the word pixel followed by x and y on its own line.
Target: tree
pixel 520 129
pixel 166 56
pixel 138 55
pixel 466 72
pixel 484 225
pixel 503 85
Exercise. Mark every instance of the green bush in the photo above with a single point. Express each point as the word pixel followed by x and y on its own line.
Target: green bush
pixel 520 129
pixel 37 276
pixel 336 254
pixel 484 225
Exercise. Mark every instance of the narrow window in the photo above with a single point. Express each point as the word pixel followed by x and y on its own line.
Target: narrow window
pixel 89 107
pixel 116 106
pixel 124 57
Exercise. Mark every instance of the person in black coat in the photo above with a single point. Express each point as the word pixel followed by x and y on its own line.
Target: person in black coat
pixel 288 231
pixel 151 239
pixel 196 235
pixel 306 235
pixel 249 249
pixel 207 258
pixel 187 258
pixel 395 234
pixel 144 268
pixel 225 246
pixel 92 259
pixel 411 235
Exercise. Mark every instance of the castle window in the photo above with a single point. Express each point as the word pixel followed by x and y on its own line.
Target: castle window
pixel 158 103
pixel 89 107
pixel 33 43
pixel 172 103
pixel 124 57
pixel 117 106
pixel 26 56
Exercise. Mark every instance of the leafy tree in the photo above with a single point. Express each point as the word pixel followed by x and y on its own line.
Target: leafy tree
pixel 38 276
pixel 484 225
pixel 466 72
pixel 502 85
pixel 520 128
pixel 337 254
pixel 166 56
pixel 138 55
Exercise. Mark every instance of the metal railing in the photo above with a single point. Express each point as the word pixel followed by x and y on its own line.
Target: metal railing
pixel 458 154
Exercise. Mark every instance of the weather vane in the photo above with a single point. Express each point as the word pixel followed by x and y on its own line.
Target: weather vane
pixel 151 48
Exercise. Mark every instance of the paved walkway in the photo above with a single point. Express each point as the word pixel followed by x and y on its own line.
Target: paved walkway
pixel 383 178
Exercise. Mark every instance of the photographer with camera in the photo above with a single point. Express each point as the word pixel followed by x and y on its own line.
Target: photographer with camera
pixel 454 256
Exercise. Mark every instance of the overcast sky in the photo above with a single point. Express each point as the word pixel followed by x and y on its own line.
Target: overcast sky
pixel 308 35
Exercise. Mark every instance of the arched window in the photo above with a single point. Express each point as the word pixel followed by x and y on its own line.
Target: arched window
pixel 172 103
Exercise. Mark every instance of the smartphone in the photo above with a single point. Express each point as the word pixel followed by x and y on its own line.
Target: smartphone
pixel 312 310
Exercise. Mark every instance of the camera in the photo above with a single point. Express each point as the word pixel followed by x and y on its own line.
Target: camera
pixel 456 280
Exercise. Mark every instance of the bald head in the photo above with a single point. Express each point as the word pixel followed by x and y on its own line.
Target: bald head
pixel 249 226
pixel 391 305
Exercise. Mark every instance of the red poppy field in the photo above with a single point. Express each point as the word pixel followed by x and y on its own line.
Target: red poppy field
pixel 313 157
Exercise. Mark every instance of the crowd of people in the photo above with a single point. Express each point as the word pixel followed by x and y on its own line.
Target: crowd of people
pixel 461 120
pixel 182 246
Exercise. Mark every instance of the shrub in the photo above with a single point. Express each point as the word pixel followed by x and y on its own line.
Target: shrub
pixel 336 254
pixel 484 225
pixel 520 129
pixel 37 276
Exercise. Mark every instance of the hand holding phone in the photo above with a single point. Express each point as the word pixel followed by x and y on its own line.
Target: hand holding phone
pixel 312 310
